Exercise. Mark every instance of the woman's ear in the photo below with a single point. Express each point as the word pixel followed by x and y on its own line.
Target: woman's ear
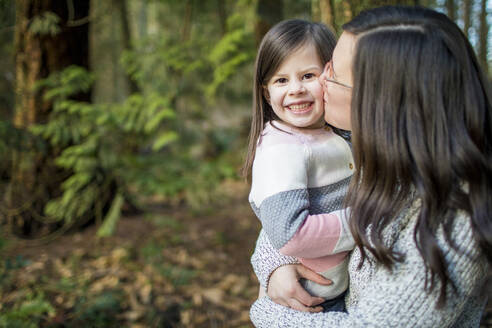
pixel 266 94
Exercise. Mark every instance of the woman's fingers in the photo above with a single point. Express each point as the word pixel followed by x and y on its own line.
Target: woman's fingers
pixel 284 287
pixel 305 298
pixel 309 274
pixel 296 305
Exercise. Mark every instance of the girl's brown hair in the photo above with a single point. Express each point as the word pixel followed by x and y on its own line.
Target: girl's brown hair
pixel 280 41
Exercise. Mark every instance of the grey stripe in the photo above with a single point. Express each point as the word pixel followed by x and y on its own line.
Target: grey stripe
pixel 282 214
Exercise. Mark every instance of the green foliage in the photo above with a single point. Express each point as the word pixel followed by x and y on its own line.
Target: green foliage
pixel 161 141
pixel 45 24
pixel 177 275
pixel 229 54
pixel 100 311
pixel 194 75
pixel 27 314
pixel 109 224
pixel 100 144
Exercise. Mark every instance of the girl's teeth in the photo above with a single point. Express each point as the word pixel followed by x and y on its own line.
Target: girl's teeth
pixel 299 107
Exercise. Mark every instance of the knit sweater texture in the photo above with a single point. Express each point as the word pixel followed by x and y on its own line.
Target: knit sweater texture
pixel 378 297
pixel 299 180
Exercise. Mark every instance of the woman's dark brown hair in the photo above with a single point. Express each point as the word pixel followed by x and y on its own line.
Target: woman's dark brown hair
pixel 421 119
pixel 279 42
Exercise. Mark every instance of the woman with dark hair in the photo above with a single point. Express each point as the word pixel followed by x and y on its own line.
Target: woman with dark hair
pixel 406 82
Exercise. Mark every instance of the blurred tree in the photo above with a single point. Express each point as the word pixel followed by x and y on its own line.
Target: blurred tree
pixel 49 36
pixel 187 20
pixel 483 36
pixel 7 22
pixel 126 37
pixel 467 15
pixel 269 12
pixel 328 13
pixel 451 9
pixel 106 47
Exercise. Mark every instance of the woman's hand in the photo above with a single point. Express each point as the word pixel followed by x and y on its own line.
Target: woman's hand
pixel 284 288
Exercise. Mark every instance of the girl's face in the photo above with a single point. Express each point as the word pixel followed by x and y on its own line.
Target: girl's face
pixel 294 91
pixel 337 83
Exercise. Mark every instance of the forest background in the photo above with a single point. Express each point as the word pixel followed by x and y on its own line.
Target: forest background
pixel 123 127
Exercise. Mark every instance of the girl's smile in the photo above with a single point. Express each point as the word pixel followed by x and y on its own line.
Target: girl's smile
pixel 300 108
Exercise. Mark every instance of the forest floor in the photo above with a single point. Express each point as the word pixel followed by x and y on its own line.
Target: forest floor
pixel 169 267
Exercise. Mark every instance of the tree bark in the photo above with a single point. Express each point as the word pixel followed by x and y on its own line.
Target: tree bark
pixel 315 10
pixel 269 12
pixel 127 39
pixel 451 9
pixel 186 33
pixel 350 9
pixel 328 13
pixel 467 14
pixel 483 36
pixel 35 178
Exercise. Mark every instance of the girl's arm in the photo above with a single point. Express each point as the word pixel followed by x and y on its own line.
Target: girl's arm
pixel 395 298
pixel 321 235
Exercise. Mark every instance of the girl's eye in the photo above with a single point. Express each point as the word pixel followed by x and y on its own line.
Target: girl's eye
pixel 308 76
pixel 281 80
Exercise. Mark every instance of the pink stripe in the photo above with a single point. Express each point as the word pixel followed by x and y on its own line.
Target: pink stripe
pixel 316 237
pixel 324 263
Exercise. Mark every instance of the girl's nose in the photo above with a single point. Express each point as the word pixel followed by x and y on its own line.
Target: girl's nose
pixel 296 87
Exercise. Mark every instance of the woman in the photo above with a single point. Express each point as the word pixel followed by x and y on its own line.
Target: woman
pixel 407 83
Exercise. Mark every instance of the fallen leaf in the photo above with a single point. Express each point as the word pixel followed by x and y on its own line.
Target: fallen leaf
pixel 107 282
pixel 197 299
pixel 145 293
pixel 214 295
pixel 186 316
pixel 118 254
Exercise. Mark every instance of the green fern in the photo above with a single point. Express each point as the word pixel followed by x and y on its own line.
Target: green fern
pixel 100 144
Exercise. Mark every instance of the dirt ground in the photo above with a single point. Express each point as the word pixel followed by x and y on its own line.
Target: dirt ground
pixel 167 268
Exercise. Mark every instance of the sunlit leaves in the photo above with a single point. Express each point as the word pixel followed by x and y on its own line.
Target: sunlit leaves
pixel 164 139
pixel 45 24
pixel 109 224
pixel 70 81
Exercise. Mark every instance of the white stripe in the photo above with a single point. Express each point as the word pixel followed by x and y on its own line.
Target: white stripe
pixel 276 169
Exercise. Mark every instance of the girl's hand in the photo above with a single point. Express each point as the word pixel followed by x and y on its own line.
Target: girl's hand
pixel 284 288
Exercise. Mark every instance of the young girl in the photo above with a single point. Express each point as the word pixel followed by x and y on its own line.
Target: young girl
pixel 299 168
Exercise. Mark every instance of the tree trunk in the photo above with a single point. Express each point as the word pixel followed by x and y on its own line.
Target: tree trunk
pixel 269 12
pixel 126 35
pixel 350 9
pixel 186 33
pixel 35 178
pixel 451 9
pixel 328 13
pixel 483 36
pixel 467 13
pixel 315 11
